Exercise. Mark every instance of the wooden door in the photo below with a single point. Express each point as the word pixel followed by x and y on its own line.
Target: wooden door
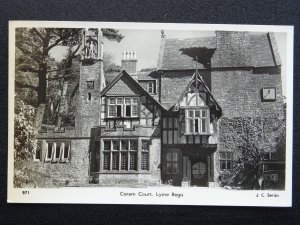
pixel 199 173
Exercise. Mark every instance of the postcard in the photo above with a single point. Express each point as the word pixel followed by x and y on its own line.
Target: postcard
pixel 145 113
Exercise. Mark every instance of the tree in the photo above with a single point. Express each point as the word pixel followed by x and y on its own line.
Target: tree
pixel 36 43
pixel 32 57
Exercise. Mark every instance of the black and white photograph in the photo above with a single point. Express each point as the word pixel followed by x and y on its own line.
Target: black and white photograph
pixel 140 113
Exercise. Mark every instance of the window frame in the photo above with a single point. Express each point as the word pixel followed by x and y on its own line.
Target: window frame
pixel 200 119
pixel 130 153
pixel 172 162
pixel 62 148
pixel 145 152
pixel 47 159
pixel 40 154
pixel 119 152
pixel 226 159
pixel 269 156
pixel 134 107
pixel 57 145
pixel 90 85
pixel 269 99
pixel 151 85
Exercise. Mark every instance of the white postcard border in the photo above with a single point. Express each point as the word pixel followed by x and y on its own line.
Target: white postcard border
pixel 191 195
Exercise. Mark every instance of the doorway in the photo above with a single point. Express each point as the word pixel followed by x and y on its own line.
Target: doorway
pixel 199 173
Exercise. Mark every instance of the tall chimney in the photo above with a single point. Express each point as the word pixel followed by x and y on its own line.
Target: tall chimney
pixel 129 62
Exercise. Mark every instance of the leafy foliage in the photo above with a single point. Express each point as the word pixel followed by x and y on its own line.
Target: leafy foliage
pixel 25 132
pixel 25 139
pixel 257 137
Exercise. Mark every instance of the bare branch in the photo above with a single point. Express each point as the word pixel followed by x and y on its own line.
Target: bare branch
pixel 38 33
pixel 76 50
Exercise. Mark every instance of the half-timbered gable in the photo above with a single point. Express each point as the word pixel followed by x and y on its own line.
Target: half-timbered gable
pixel 125 102
pixel 127 144
pixel 187 135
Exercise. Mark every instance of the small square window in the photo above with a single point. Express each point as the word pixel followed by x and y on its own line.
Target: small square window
pixel 124 145
pixel 133 145
pixel 107 145
pixel 116 145
pixel 119 101
pixel 112 101
pixel 127 101
pixel 197 113
pixel 145 145
pixel 90 84
pixel 135 101
pixel 268 94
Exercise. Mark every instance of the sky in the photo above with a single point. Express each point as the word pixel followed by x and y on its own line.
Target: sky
pixel 146 44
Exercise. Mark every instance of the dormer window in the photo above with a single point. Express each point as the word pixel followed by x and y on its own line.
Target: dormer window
pixel 123 107
pixel 151 87
pixel 197 121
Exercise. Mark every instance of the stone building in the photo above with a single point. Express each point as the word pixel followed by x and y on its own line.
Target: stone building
pixel 177 125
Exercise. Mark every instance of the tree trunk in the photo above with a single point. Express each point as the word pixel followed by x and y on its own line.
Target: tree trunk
pixel 39 114
pixel 41 93
pixel 42 87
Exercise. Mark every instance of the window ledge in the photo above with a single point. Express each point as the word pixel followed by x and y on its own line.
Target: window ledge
pixel 124 172
pixel 122 117
pixel 203 134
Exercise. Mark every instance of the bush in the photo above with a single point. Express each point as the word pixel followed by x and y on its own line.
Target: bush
pixel 24 141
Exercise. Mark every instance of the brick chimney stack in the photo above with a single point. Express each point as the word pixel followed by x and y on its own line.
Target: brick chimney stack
pixel 129 62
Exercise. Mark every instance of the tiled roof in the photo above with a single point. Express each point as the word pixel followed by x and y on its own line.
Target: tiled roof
pixel 226 49
pixel 173 58
pixel 110 76
pixel 244 49
pixel 146 75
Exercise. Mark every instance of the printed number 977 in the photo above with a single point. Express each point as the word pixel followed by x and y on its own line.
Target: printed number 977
pixel 25 192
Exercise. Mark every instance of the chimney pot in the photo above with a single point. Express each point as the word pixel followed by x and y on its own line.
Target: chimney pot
pixel 129 62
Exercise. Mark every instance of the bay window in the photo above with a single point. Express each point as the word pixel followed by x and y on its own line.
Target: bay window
pixel 122 155
pixel 123 107
pixel 197 121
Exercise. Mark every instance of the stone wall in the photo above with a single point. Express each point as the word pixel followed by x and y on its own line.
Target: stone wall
pixel 246 118
pixel 75 172
pixel 88 111
pixel 238 92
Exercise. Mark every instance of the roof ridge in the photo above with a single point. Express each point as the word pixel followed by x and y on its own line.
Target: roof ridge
pixel 190 38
